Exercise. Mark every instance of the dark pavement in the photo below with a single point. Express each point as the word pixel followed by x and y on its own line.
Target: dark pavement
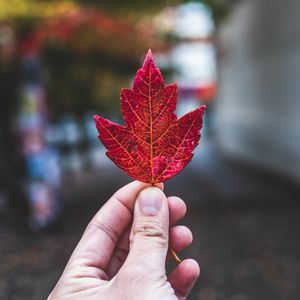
pixel 246 226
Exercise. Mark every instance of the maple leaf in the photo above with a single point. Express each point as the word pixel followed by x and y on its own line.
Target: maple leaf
pixel 154 145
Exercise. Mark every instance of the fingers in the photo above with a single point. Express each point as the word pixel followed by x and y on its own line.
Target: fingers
pixel 150 232
pixel 119 255
pixel 177 209
pixel 180 237
pixel 99 239
pixel 183 277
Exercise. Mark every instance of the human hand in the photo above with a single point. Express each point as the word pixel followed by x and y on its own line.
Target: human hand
pixel 122 253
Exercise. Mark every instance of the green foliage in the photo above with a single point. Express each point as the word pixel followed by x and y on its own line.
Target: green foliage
pixel 88 61
pixel 34 9
pixel 87 69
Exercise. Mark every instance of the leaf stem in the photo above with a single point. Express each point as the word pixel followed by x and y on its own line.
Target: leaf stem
pixel 177 259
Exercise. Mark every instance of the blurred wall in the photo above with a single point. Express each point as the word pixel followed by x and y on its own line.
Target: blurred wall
pixel 258 107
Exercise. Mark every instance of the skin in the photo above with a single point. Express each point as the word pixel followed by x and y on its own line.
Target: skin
pixel 123 251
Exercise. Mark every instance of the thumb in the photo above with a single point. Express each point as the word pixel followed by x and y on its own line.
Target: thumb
pixel 150 230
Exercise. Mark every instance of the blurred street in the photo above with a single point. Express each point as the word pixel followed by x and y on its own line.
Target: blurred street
pixel 245 224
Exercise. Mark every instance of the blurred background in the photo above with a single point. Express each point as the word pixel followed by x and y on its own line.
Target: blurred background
pixel 63 61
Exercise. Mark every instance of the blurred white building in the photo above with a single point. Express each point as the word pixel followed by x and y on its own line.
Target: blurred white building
pixel 259 90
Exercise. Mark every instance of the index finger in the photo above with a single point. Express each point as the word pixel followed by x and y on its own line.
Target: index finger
pixel 99 239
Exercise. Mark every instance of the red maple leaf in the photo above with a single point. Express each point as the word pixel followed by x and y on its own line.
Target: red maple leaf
pixel 154 145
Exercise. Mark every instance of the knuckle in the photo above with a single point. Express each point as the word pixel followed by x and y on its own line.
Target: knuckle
pixel 150 229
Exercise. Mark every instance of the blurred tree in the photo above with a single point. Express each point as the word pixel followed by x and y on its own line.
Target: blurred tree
pixel 10 166
pixel 138 8
pixel 87 52
pixel 89 47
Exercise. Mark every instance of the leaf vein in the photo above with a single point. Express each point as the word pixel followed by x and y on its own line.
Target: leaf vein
pixel 183 140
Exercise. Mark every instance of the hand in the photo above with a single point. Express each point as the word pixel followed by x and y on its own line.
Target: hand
pixel 122 253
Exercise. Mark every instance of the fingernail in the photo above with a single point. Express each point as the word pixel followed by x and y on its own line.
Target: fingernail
pixel 150 201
